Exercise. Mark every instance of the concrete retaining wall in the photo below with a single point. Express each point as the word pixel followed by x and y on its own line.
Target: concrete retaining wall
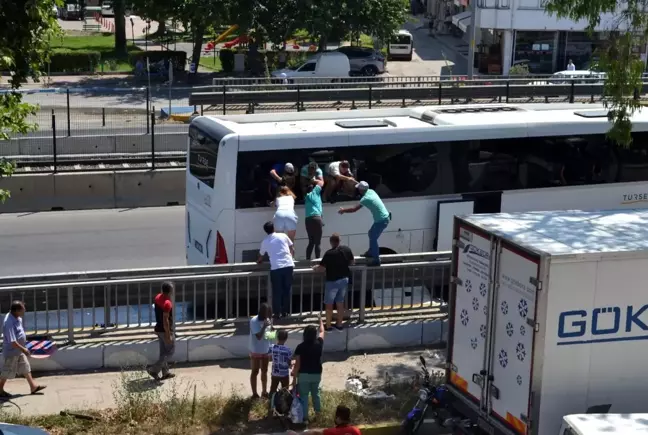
pixel 92 190
pixel 220 347
pixel 80 145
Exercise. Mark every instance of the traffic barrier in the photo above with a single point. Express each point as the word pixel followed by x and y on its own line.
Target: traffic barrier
pixel 150 188
pixel 29 192
pixel 91 190
pixel 84 190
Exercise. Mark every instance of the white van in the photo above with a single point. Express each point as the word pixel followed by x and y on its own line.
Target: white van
pixel 401 46
pixel 323 65
pixel 604 424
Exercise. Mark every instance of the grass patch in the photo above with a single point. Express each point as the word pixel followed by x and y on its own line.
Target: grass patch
pixel 210 62
pixel 103 43
pixel 144 409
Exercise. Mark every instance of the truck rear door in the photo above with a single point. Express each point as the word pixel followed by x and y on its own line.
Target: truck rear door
pixel 469 319
pixel 514 312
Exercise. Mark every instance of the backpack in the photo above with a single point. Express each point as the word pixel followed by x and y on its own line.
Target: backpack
pixel 282 402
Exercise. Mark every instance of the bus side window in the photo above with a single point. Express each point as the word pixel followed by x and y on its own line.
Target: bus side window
pixel 633 161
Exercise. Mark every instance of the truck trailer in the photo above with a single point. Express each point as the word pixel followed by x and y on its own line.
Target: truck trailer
pixel 548 317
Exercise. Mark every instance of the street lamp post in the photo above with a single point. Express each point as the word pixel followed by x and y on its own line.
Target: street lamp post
pixel 146 30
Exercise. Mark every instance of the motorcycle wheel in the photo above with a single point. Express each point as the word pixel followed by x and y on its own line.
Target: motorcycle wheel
pixel 411 427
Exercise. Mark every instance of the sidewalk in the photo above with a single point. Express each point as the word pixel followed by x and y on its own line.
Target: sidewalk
pixel 97 390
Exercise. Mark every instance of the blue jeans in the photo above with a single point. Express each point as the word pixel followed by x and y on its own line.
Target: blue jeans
pixel 281 280
pixel 374 233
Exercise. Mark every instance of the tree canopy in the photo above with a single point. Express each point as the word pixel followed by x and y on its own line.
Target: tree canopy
pixel 25 32
pixel 619 58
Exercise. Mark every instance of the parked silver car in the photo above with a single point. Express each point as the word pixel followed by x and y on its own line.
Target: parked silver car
pixel 365 61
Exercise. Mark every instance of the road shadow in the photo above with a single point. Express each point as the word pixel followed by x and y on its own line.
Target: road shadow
pixel 141 385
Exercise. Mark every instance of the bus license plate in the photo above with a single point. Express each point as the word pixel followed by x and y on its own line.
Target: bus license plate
pixel 485 426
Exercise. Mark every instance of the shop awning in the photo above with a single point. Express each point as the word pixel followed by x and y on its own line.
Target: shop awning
pixel 462 20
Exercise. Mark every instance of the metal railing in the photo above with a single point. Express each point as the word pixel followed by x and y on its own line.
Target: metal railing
pixel 216 298
pixel 406 93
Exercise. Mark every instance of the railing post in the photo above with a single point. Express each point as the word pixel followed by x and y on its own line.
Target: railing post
pixel 440 91
pixel 363 295
pixel 69 129
pixel 106 306
pixel 270 292
pixel 70 314
pixel 508 90
pixel 370 95
pixel 148 106
pixel 224 100
pixel 298 99
pixel 54 139
pixel 153 139
pixel 571 94
pixel 103 117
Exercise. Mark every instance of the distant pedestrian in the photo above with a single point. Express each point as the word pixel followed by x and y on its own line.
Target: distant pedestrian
pixel 336 262
pixel 280 250
pixel 571 66
pixel 314 223
pixel 259 349
pixel 285 218
pixel 381 217
pixel 164 330
pixel 281 361
pixel 308 366
pixel 14 350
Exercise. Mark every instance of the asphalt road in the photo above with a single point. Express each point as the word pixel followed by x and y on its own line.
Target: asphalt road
pixel 51 242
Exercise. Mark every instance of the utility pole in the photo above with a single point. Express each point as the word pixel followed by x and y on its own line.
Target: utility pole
pixel 473 36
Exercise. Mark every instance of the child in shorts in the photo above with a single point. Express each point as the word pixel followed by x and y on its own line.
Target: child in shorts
pixel 281 357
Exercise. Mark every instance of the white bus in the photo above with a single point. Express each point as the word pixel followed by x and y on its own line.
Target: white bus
pixel 427 163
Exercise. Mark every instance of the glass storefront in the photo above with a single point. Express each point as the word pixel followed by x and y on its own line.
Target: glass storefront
pixel 536 50
pixel 580 47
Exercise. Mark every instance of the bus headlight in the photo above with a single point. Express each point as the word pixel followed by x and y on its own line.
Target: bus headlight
pixel 423 395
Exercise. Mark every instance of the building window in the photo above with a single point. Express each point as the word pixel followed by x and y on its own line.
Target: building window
pixel 536 49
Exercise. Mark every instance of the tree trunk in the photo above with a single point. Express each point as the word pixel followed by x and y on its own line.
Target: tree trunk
pixel 199 36
pixel 323 43
pixel 120 28
pixel 161 30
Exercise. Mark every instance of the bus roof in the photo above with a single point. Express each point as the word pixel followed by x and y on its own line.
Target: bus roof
pixel 423 124
pixel 605 424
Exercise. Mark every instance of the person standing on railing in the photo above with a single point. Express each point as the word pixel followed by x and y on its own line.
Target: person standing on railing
pixel 164 330
pixel 280 250
pixel 15 352
pixel 314 224
pixel 336 264
pixel 381 217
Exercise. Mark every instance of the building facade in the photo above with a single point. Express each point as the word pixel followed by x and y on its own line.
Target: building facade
pixel 514 32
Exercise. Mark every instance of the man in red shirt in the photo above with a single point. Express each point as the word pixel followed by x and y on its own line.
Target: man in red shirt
pixel 342 425
pixel 164 330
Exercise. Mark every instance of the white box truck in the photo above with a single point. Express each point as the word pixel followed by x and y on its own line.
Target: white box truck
pixel 548 317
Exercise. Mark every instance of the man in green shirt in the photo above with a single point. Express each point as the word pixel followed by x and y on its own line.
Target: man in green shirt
pixel 381 217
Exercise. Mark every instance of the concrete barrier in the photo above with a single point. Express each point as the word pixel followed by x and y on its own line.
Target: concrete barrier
pixel 223 346
pixel 149 188
pixel 92 190
pixel 33 192
pixel 85 190
pixel 104 144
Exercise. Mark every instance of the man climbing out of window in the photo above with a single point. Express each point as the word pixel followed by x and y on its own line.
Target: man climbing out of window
pixel 337 175
pixel 281 174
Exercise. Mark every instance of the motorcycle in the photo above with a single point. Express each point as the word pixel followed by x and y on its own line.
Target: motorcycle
pixel 430 397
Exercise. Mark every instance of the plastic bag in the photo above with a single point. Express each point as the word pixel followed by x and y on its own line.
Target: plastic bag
pixel 296 410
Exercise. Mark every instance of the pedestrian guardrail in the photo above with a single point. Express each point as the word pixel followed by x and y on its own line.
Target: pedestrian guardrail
pixel 407 93
pixel 217 295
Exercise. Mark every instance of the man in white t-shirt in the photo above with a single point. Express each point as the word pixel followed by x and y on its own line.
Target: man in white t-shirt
pixel 337 174
pixel 280 251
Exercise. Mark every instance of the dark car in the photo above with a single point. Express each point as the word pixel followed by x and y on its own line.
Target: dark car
pixel 365 61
